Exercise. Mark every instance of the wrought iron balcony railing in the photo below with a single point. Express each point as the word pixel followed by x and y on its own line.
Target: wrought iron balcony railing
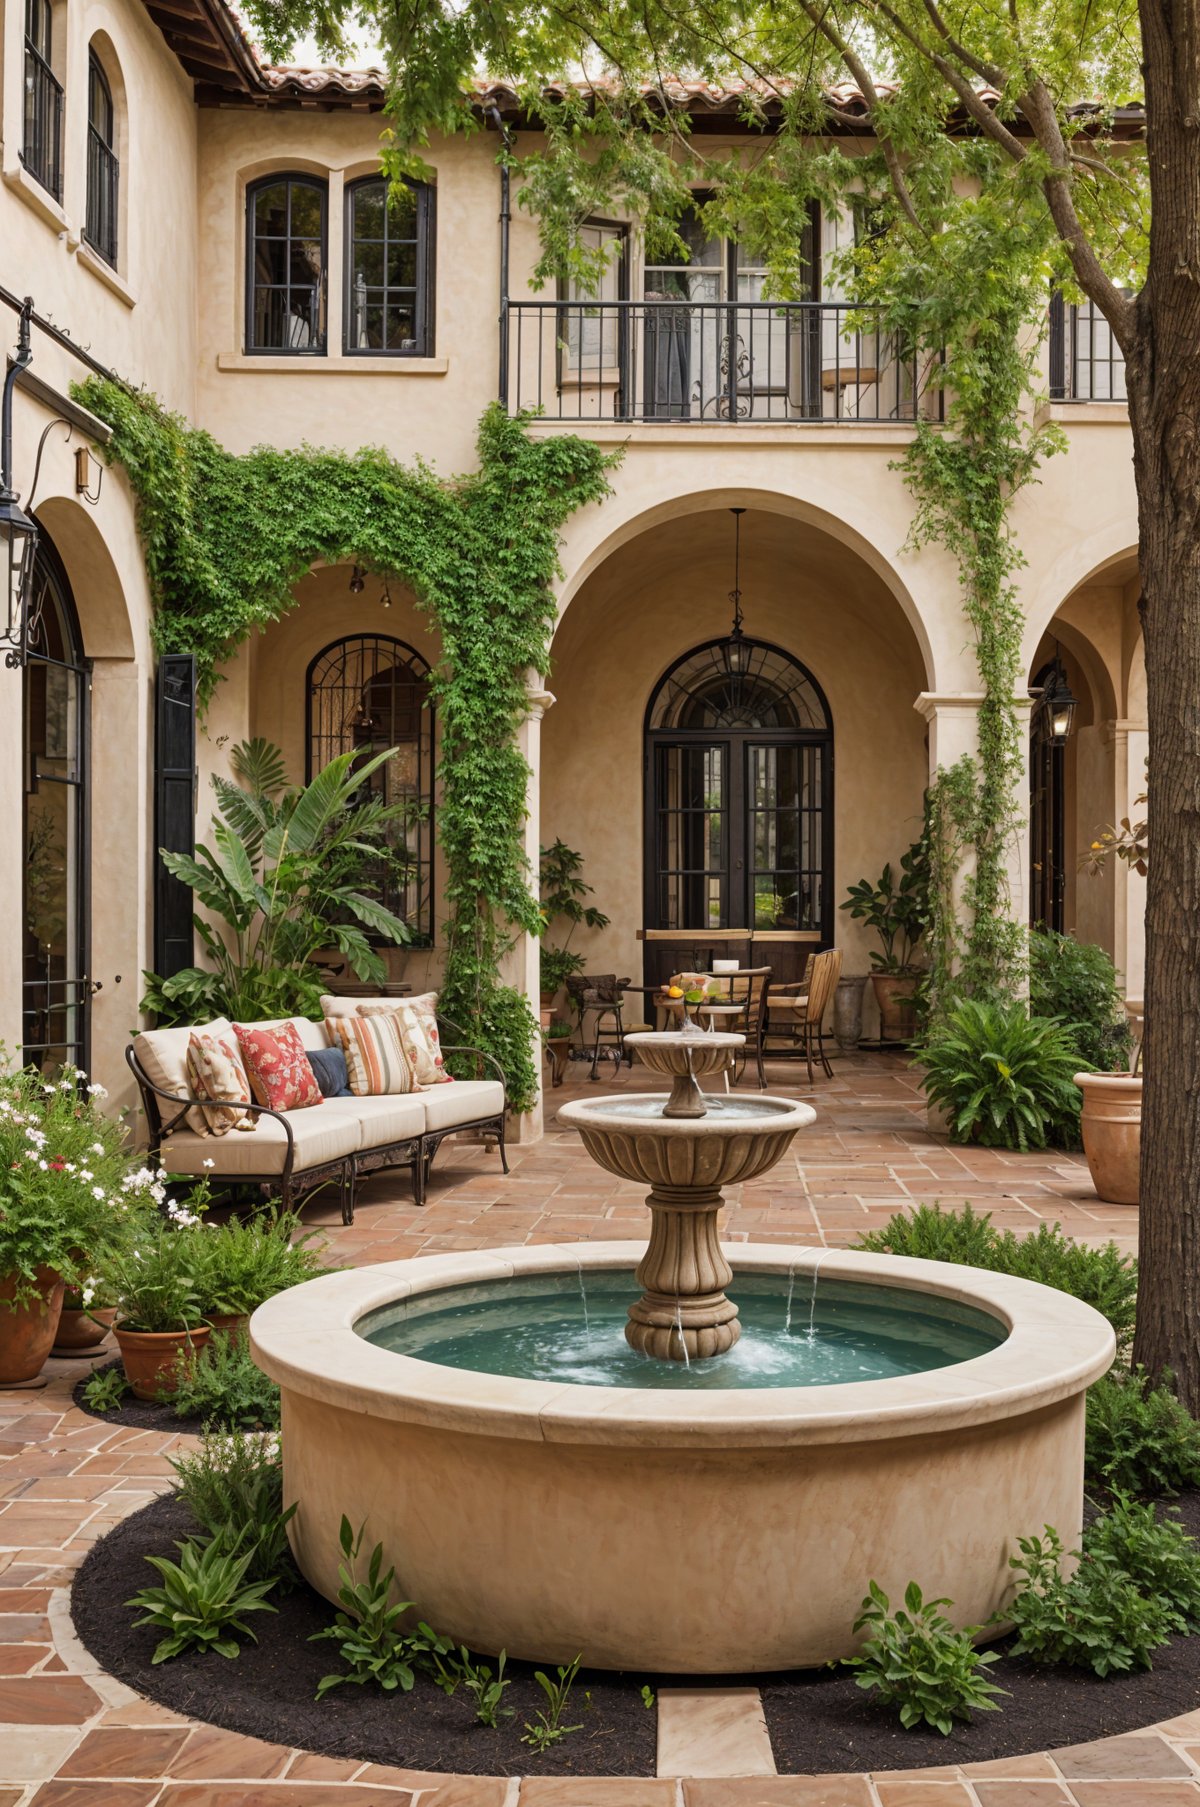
pixel 41 143
pixel 1086 364
pixel 103 179
pixel 711 361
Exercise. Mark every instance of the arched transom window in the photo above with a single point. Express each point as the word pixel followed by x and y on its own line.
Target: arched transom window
pixel 365 694
pixel 739 775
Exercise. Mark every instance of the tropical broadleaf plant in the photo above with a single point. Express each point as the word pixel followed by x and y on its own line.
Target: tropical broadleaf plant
pixel 284 876
pixel 1004 1078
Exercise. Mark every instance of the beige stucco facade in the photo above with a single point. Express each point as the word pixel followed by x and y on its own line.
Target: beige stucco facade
pixel 826 572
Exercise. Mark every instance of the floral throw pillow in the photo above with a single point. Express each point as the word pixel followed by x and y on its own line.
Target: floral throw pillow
pixel 277 1066
pixel 377 1063
pixel 418 1027
pixel 215 1073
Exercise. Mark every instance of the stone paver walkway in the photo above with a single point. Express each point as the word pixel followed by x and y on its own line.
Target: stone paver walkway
pixel 72 1736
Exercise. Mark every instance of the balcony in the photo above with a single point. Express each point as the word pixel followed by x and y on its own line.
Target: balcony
pixel 1086 364
pixel 725 362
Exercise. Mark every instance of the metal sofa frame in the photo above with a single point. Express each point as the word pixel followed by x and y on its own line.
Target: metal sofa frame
pixel 417 1153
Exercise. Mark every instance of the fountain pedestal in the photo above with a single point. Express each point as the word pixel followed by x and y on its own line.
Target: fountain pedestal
pixel 683 1313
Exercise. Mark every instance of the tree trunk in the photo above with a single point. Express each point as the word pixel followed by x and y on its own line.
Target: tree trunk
pixel 1164 390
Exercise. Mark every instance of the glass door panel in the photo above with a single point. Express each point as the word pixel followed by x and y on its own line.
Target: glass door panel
pixel 691 835
pixel 784 835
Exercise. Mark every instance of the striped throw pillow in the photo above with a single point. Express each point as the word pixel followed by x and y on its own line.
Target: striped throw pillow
pixel 376 1061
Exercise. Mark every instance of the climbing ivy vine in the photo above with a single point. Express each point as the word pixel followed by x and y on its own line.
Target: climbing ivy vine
pixel 227 537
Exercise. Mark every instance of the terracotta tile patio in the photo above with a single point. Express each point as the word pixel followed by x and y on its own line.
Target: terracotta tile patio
pixel 71 1736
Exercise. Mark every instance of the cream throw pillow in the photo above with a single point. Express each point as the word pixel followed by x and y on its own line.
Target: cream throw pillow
pixel 215 1073
pixel 418 1028
pixel 377 1063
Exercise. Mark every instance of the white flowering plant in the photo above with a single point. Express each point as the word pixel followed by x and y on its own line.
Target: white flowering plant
pixel 66 1195
pixel 154 1278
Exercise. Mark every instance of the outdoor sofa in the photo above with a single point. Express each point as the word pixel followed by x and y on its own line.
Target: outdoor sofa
pixel 336 1142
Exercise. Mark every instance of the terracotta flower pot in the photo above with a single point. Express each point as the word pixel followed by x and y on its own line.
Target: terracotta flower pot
pixel 27 1333
pixel 149 1356
pixel 79 1331
pixel 897 1006
pixel 1111 1125
pixel 229 1324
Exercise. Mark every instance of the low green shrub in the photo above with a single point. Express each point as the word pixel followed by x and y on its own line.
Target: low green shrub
pixel 203 1600
pixel 372 1641
pixel 1099 1619
pixel 222 1384
pixel 1076 982
pixel 1156 1553
pixel 232 1484
pixel 104 1390
pixel 1004 1078
pixel 1101 1277
pixel 1140 1439
pixel 241 1264
pixel 918 1662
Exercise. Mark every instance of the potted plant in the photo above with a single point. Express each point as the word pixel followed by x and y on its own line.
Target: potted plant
pixel 87 1317
pixel 1111 1120
pixel 562 893
pixel 897 908
pixel 160 1312
pixel 65 1188
pixel 239 1266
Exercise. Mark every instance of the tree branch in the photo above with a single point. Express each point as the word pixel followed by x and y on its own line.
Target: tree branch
pixel 866 87
pixel 989 72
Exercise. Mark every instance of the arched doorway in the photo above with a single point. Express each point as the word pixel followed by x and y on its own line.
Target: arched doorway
pixel 55 686
pixel 739 796
pixel 366 693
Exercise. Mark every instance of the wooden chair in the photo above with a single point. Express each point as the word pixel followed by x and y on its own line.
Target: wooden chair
pixel 807 1007
pixel 749 989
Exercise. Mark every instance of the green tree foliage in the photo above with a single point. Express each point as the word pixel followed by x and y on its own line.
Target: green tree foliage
pixel 1076 982
pixel 227 537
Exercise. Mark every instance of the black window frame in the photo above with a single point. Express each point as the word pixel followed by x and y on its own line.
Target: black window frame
pixel 424 336
pixel 44 161
pixel 293 178
pixel 102 205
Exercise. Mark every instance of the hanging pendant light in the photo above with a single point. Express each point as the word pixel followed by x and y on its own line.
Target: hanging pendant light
pixel 736 650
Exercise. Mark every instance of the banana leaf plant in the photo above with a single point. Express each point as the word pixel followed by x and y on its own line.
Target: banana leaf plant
pixel 281 881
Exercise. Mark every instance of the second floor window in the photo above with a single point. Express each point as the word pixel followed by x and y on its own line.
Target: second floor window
pixel 41 141
pixel 389 269
pixel 103 169
pixel 285 265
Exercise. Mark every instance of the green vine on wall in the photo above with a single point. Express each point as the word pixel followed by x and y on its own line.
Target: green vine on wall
pixel 226 538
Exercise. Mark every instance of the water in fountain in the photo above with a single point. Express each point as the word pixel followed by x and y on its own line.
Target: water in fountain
pixel 535 1328
pixel 812 1299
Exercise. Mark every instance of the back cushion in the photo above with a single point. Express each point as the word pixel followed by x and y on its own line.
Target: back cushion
pixel 376 1061
pixel 277 1066
pixel 162 1054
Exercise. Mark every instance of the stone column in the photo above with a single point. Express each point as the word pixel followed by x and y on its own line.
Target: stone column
pixel 12 856
pixel 523 962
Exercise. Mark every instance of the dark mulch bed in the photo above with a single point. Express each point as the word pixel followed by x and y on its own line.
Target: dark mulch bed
pixel 268 1691
pixel 819 1720
pixel 140 1414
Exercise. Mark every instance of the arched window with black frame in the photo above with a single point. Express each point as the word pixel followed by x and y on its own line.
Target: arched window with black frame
pixel 286 257
pixel 739 800
pixel 389 269
pixel 103 168
pixel 55 986
pixel 365 694
pixel 42 121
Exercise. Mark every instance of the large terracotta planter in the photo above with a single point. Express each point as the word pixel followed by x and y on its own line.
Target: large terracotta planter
pixel 27 1333
pixel 79 1331
pixel 1111 1124
pixel 149 1356
pixel 896 998
pixel 229 1324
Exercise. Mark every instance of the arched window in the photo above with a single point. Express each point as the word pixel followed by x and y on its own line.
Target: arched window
pixel 41 137
pixel 103 168
pixel 285 265
pixel 54 917
pixel 389 269
pixel 739 803
pixel 365 694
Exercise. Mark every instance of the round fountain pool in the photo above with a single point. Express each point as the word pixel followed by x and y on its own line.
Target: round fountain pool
pixel 797 1331
pixel 688 1525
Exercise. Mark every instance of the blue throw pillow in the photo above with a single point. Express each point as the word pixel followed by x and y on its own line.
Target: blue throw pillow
pixel 329 1071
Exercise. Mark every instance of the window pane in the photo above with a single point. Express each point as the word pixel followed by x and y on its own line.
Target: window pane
pixel 305 262
pixel 400 328
pixel 368 264
pixel 402 266
pixel 270 211
pixel 368 211
pixel 306 211
pixel 402 213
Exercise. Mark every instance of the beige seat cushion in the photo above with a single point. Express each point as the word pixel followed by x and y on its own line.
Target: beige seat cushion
pixel 391 1118
pixel 320 1136
pixel 463 1102
pixel 162 1053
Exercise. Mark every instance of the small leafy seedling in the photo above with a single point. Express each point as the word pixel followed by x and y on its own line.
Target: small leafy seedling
pixel 549 1727
pixel 105 1390
pixel 917 1661
pixel 203 1599
pixel 487 1694
pixel 371 1642
pixel 648 1696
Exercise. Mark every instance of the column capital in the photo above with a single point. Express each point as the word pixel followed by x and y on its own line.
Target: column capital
pixel 964 703
pixel 539 701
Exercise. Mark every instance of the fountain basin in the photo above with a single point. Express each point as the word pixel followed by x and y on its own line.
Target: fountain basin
pixel 672 1530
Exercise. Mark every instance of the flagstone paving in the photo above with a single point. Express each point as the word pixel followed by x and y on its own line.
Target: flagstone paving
pixel 72 1736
